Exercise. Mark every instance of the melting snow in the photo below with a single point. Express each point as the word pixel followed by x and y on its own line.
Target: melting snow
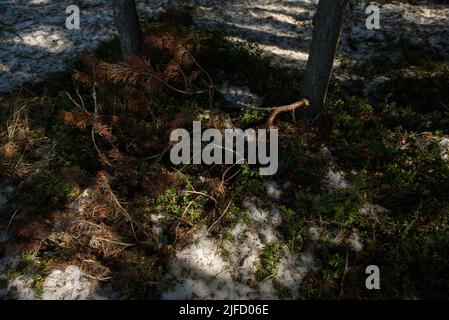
pixel 67 284
pixel 41 43
pixel 283 30
pixel 335 179
pixel 273 189
pixel 202 271
pixel 443 146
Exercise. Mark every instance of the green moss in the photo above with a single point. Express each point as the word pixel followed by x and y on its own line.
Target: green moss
pixel 293 227
pixel 282 292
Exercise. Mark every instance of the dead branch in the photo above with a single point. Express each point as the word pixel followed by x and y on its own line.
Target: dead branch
pixel 275 111
pixel 291 107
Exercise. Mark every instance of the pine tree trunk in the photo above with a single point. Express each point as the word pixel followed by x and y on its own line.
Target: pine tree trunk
pixel 127 23
pixel 327 26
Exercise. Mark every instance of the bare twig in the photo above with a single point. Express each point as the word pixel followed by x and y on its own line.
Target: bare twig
pixel 165 83
pixel 94 97
pixel 182 217
pixel 291 107
pixel 211 85
pixel 201 193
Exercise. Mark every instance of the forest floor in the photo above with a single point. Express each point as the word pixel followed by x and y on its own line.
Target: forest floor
pixel 38 43
pixel 92 208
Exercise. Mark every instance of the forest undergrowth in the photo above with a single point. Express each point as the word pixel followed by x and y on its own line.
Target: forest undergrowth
pixel 86 154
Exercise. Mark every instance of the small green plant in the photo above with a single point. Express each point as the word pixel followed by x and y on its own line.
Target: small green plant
pixel 268 261
pixel 341 206
pixel 175 202
pixel 294 227
pixel 282 292
pixel 249 117
pixel 38 285
pixel 226 255
pixel 226 233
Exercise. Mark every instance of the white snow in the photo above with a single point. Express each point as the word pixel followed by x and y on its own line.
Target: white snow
pixel 273 189
pixel 335 179
pixel 369 208
pixel 201 271
pixel 443 146
pixel 283 29
pixel 21 288
pixel 68 284
pixel 41 43
pixel 327 154
pixel 355 242
pixel 61 284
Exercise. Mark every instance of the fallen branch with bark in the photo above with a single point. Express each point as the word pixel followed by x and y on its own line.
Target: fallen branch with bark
pixel 276 111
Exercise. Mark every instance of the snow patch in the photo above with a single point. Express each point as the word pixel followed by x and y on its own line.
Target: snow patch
pixel 443 147
pixel 21 288
pixel 283 29
pixel 335 179
pixel 273 189
pixel 374 211
pixel 67 285
pixel 327 154
pixel 41 44
pixel 213 268
pixel 355 242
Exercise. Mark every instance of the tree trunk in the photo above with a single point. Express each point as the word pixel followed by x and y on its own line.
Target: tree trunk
pixel 127 23
pixel 327 26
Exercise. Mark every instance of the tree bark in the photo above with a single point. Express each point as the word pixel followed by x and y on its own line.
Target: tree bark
pixel 327 26
pixel 127 23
